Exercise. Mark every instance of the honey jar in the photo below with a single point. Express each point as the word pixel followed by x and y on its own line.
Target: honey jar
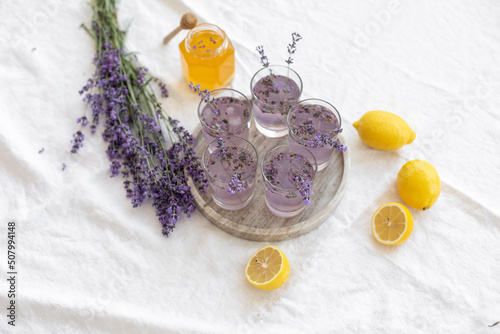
pixel 207 57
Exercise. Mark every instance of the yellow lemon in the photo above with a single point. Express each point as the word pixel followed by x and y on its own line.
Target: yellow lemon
pixel 392 224
pixel 268 268
pixel 384 130
pixel 419 184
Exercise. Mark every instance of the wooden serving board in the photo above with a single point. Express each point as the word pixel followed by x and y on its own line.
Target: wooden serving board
pixel 255 221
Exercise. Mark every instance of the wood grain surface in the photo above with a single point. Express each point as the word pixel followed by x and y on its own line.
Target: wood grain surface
pixel 255 221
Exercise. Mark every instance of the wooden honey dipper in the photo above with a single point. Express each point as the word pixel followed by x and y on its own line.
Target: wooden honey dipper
pixel 188 21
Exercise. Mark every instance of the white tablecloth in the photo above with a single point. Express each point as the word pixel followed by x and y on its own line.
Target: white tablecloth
pixel 88 262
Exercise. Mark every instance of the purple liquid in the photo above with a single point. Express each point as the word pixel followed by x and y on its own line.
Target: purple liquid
pixel 309 122
pixel 274 97
pixel 221 171
pixel 232 117
pixel 279 173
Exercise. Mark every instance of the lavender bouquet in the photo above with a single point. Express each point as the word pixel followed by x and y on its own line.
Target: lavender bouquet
pixel 145 145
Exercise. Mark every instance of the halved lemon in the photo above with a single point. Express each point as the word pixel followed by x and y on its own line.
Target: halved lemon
pixel 392 223
pixel 268 268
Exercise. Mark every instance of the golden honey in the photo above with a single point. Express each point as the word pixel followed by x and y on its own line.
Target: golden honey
pixel 207 57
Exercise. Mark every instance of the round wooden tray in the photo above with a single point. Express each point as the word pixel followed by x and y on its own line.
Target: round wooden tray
pixel 255 221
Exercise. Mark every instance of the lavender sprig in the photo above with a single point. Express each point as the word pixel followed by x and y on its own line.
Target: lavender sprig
pixel 328 139
pixel 309 133
pixel 292 47
pixel 303 184
pixel 205 97
pixel 263 57
pixel 291 50
pixel 236 184
pixel 221 148
pixel 302 179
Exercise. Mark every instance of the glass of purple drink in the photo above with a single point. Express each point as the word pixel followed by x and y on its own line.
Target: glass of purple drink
pixel 274 90
pixel 288 171
pixel 231 164
pixel 315 124
pixel 228 114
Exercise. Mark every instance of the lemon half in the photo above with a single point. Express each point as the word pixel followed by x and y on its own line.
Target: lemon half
pixel 392 224
pixel 268 268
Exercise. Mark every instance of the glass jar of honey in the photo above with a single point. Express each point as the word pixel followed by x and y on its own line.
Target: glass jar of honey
pixel 207 57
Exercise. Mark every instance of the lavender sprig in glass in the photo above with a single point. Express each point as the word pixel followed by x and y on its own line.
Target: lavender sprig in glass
pixel 273 94
pixel 291 50
pixel 231 164
pixel 205 96
pixel 316 124
pixel 229 114
pixel 236 184
pixel 263 57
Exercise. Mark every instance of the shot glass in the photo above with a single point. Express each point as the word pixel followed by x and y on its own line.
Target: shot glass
pixel 231 164
pixel 274 90
pixel 288 172
pixel 315 124
pixel 228 115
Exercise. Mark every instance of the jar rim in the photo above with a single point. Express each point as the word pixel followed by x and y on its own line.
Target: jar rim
pixel 206 27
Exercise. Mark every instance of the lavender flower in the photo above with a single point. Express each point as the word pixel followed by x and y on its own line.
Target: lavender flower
pixel 77 141
pixel 115 168
pixel 134 122
pixel 263 57
pixel 221 148
pixel 41 150
pixel 64 166
pixel 82 120
pixel 292 47
pixel 141 72
pixel 163 87
pixel 205 97
pixel 236 184
pixel 303 184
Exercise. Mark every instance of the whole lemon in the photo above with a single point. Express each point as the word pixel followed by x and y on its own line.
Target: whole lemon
pixel 384 130
pixel 419 184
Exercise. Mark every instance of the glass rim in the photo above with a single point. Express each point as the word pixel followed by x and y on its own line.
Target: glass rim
pixel 278 146
pixel 205 26
pixel 263 68
pixel 223 137
pixel 336 113
pixel 226 89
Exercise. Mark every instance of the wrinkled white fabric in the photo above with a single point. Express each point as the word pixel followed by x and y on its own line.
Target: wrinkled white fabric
pixel 90 263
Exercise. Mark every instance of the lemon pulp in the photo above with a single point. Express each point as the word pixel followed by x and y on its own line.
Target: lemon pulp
pixel 268 268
